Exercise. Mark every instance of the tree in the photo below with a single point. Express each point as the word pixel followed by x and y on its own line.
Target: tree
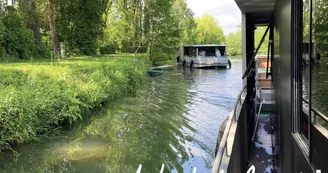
pixel 234 43
pixel 52 26
pixel 208 30
pixel 320 26
pixel 80 23
pixel 186 22
pixel 259 32
pixel 161 28
pixel 31 12
pixel 123 25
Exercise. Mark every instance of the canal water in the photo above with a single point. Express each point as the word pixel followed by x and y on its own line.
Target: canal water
pixel 319 89
pixel 174 119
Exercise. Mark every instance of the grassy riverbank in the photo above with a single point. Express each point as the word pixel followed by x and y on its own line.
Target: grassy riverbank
pixel 37 98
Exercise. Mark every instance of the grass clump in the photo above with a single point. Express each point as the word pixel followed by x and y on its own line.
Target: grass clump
pixel 37 98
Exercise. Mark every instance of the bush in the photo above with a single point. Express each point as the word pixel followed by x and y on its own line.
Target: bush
pixel 38 98
pixel 142 49
pixel 2 39
pixel 2 32
pixel 40 50
pixel 16 41
pixel 108 49
pixel 19 42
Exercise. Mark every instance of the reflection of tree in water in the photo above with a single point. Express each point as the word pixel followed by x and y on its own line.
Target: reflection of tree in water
pixel 144 130
pixel 319 86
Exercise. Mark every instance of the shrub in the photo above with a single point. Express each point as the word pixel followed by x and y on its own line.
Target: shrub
pixel 16 41
pixel 19 42
pixel 142 49
pixel 2 38
pixel 108 49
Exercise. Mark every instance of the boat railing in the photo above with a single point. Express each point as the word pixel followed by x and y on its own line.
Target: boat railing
pixel 225 148
pixel 315 134
pixel 316 113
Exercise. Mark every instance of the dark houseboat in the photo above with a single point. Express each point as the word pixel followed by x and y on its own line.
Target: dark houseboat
pixel 276 126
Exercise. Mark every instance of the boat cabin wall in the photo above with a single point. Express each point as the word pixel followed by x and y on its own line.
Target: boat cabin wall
pixel 291 153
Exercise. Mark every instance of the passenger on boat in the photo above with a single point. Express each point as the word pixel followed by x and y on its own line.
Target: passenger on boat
pixel 202 53
pixel 318 56
pixel 217 53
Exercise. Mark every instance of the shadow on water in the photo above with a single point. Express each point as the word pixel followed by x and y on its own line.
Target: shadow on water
pixel 173 120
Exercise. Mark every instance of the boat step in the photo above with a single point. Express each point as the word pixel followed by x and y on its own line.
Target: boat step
pixel 264 83
pixel 267 95
pixel 263 76
pixel 262 62
pixel 267 106
pixel 263 65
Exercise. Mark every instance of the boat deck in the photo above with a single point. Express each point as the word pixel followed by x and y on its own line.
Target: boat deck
pixel 261 150
pixel 261 153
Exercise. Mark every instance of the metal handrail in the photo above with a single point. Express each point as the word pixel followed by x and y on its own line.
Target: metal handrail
pixel 316 112
pixel 224 142
pixel 257 120
pixel 256 51
pixel 238 100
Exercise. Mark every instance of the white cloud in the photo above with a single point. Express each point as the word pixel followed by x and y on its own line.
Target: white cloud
pixel 201 7
pixel 228 23
pixel 226 11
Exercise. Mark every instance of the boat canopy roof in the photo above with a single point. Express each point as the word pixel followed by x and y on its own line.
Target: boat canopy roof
pixel 206 45
pixel 259 10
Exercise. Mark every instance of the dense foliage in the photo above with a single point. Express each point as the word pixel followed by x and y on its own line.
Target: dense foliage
pixel 16 40
pixel 148 26
pixel 234 41
pixel 89 27
pixel 320 26
pixel 208 30
pixel 80 24
pixel 38 98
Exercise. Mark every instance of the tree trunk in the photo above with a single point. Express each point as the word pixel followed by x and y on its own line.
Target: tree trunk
pixel 35 26
pixel 52 26
pixel 28 7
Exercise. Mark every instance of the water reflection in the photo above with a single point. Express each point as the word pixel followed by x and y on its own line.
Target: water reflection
pixel 319 86
pixel 173 120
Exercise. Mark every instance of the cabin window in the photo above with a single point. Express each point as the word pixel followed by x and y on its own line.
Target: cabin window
pixel 305 55
pixel 319 88
pixel 313 65
pixel 189 51
pixel 210 51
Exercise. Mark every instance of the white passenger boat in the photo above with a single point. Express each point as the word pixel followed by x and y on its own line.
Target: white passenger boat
pixel 201 56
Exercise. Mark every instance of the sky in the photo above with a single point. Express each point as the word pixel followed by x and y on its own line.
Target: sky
pixel 225 11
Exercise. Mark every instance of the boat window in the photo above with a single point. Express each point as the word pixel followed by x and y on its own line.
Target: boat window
pixel 189 51
pixel 210 51
pixel 314 66
pixel 206 51
pixel 319 60
pixel 304 124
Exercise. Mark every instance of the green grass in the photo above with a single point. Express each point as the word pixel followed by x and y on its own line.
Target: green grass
pixel 236 57
pixel 40 96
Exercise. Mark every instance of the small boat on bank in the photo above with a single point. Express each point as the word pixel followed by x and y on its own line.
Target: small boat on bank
pixel 155 72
